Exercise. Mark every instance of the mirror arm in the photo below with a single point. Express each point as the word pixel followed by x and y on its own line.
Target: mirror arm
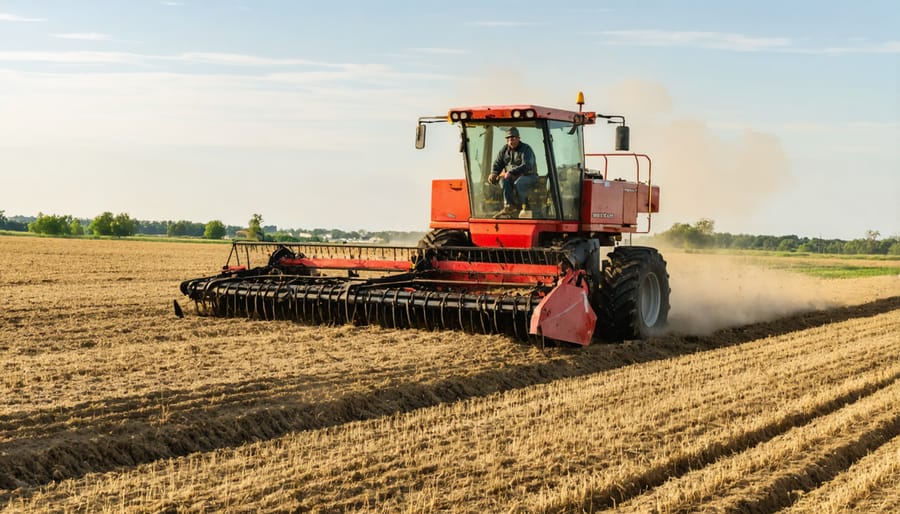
pixel 420 128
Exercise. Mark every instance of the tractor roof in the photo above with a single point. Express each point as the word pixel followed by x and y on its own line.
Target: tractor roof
pixel 517 112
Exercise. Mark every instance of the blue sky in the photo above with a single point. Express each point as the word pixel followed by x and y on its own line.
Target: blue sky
pixel 767 117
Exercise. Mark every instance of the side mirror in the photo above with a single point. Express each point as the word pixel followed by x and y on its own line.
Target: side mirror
pixel 622 138
pixel 420 136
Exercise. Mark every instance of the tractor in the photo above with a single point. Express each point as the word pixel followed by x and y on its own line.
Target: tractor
pixel 538 273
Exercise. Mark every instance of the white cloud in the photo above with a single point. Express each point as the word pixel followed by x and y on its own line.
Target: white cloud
pixel 740 42
pixel 443 51
pixel 287 110
pixel 13 17
pixel 193 57
pixel 240 60
pixel 72 57
pixel 294 71
pixel 503 24
pixel 886 47
pixel 714 40
pixel 85 36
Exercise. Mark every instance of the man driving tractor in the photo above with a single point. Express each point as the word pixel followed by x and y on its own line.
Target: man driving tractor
pixel 514 168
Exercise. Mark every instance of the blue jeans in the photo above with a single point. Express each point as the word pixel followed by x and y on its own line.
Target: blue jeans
pixel 519 187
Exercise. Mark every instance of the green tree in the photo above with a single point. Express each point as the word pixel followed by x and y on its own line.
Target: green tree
pixel 787 245
pixel 51 224
pixel 176 228
pixel 123 225
pixel 700 235
pixel 185 228
pixel 151 227
pixel 254 228
pixel 76 228
pixel 705 226
pixel 102 224
pixel 215 229
pixel 834 246
pixel 894 248
pixel 883 247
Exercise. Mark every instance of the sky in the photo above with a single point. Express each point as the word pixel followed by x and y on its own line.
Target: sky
pixel 767 117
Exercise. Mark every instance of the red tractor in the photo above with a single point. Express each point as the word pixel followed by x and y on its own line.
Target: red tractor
pixel 537 272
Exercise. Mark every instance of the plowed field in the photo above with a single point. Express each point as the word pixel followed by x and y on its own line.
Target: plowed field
pixel 773 392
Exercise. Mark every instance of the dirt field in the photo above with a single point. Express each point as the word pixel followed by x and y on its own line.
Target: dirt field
pixel 773 391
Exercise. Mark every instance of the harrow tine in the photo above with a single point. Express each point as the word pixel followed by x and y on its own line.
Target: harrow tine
pixel 409 320
pixel 346 295
pixel 389 303
pixel 443 304
pixel 394 307
pixel 515 325
pixel 307 313
pixel 459 311
pixel 425 310
pixel 494 310
pixel 481 310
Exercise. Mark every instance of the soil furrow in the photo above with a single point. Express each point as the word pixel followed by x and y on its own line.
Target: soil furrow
pixel 773 475
pixel 169 425
pixel 631 486
pixel 867 486
pixel 525 449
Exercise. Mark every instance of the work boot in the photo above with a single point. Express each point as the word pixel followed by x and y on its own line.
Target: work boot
pixel 508 212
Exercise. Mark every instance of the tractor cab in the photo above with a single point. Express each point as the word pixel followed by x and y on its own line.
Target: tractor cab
pixel 567 199
pixel 559 163
pixel 555 136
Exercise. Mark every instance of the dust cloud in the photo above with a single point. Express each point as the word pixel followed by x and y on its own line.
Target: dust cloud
pixel 723 172
pixel 712 292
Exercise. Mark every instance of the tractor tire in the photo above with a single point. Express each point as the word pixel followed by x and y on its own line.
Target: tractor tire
pixel 431 245
pixel 441 237
pixel 632 299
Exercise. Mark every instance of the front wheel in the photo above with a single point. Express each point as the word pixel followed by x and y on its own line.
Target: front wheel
pixel 441 237
pixel 633 295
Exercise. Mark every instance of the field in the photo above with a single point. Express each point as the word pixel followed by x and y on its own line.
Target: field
pixel 774 391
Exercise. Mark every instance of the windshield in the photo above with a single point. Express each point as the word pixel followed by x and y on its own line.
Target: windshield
pixel 484 141
pixel 568 153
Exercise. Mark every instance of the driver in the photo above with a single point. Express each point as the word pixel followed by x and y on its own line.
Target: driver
pixel 514 168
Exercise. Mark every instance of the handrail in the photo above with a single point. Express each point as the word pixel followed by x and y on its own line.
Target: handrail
pixel 638 157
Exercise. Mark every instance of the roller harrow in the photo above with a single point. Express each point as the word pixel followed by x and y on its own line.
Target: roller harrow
pixel 478 290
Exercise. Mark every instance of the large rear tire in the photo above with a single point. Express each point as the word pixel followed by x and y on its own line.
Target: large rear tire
pixel 633 296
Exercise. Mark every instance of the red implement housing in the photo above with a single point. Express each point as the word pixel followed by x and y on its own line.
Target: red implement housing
pixel 565 313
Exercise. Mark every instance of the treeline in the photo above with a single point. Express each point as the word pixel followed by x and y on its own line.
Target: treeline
pixel 324 235
pixel 108 224
pixel 122 225
pixel 702 235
